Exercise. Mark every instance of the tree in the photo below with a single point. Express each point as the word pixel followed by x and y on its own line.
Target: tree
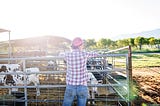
pixel 152 41
pixel 123 42
pixel 157 43
pixel 139 41
pixel 105 43
pixel 102 43
pixel 131 41
pixel 90 43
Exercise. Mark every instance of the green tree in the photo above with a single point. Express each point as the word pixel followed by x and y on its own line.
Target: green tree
pixel 146 41
pixel 152 41
pixel 123 42
pixel 90 44
pixel 113 45
pixel 102 43
pixel 119 43
pixel 157 43
pixel 139 41
pixel 131 41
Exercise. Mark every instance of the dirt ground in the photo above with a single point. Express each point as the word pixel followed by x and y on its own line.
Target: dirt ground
pixel 148 81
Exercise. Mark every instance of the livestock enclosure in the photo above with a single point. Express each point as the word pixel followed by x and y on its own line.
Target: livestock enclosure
pixel 110 83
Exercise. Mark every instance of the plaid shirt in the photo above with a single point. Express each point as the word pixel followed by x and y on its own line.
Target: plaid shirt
pixel 76 67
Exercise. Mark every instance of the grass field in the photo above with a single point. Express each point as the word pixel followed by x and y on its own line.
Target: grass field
pixel 145 60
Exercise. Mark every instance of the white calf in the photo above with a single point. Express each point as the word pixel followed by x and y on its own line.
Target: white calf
pixel 92 80
pixel 2 76
pixel 11 67
pixel 29 78
pixel 18 78
pixel 93 90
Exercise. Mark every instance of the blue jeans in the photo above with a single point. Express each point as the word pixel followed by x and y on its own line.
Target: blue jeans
pixel 78 91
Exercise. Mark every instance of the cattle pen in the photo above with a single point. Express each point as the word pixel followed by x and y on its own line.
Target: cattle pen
pixel 110 85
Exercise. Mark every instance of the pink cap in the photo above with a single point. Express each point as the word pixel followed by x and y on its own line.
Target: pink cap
pixel 77 42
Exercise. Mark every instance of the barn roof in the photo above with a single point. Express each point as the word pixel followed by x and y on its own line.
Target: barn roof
pixel 4 30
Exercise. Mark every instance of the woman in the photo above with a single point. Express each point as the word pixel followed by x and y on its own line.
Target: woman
pixel 77 75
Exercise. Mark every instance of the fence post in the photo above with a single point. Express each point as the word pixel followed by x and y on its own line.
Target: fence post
pixel 25 83
pixel 130 74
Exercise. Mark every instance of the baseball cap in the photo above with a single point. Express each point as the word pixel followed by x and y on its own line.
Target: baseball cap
pixel 77 42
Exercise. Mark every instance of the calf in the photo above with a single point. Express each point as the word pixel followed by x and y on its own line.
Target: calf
pixel 18 78
pixel 3 70
pixel 92 90
pixel 92 80
pixel 29 78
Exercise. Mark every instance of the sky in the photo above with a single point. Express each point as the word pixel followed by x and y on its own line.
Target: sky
pixel 88 19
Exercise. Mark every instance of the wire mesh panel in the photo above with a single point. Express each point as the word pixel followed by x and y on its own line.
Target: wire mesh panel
pixel 41 81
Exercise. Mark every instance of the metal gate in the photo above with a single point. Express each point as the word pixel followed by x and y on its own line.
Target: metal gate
pixel 109 84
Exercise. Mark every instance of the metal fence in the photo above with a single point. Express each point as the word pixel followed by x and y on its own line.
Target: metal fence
pixel 111 71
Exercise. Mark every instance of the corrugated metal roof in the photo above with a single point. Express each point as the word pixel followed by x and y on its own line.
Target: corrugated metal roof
pixel 4 30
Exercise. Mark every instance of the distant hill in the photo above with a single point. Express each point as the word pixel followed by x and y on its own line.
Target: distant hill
pixel 147 34
pixel 42 40
pixel 38 43
pixel 35 46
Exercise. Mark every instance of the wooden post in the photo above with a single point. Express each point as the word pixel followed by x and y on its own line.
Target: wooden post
pixel 130 74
